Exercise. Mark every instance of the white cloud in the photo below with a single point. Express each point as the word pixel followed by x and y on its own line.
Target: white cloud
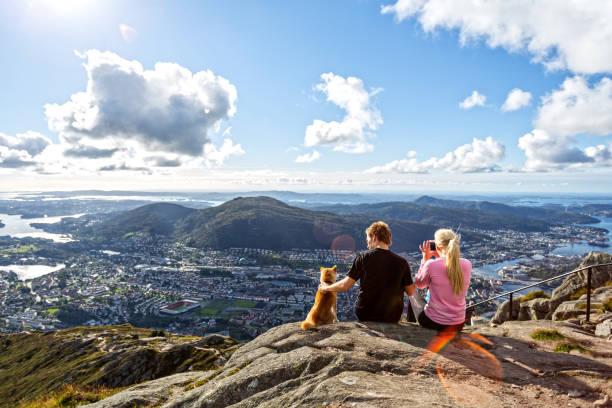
pixel 21 150
pixel 31 142
pixel 12 159
pixel 601 155
pixel 410 165
pixel 475 99
pixel 479 156
pixel 129 114
pixel 577 108
pixel 357 147
pixel 308 158
pixel 560 34
pixel 216 156
pixel 516 99
pixel 361 119
pixel 547 152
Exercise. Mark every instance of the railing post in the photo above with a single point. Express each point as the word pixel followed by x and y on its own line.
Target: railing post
pixel 588 316
pixel 510 314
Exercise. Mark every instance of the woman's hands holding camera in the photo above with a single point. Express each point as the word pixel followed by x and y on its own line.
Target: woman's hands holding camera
pixel 426 250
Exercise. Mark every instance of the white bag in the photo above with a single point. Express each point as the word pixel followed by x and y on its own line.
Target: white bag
pixel 417 303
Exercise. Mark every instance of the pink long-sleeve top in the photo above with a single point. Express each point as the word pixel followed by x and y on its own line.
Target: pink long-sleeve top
pixel 444 307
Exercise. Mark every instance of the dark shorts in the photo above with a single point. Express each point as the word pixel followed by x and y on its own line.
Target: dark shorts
pixel 430 324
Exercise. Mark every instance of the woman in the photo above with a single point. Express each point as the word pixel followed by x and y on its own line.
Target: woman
pixel 448 278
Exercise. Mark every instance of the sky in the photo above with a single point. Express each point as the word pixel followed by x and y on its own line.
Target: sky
pixel 342 96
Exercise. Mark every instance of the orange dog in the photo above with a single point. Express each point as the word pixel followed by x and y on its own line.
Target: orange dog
pixel 324 309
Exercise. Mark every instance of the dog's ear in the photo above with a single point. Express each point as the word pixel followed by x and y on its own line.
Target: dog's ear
pixel 322 269
pixel 335 267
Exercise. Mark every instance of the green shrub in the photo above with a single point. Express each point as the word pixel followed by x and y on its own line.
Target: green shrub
pixel 542 334
pixel 607 305
pixel 534 295
pixel 567 347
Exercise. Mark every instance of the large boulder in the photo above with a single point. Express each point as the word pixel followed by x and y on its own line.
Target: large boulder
pixel 503 311
pixel 604 329
pixel 535 309
pixel 357 364
pixel 577 281
pixel 571 309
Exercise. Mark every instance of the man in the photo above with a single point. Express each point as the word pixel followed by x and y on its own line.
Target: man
pixel 385 277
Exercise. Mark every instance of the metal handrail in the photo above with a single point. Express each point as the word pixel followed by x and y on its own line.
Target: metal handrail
pixel 510 293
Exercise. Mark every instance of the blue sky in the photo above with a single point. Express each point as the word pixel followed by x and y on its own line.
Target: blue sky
pixel 409 95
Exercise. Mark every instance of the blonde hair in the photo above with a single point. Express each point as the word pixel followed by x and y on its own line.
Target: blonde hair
pixel 448 241
pixel 381 230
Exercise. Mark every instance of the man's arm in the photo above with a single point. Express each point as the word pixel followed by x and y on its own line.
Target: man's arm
pixel 340 286
pixel 409 289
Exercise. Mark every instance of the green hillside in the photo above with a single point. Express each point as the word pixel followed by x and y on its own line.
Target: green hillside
pixel 263 222
pixel 267 223
pixel 158 218
pixel 32 365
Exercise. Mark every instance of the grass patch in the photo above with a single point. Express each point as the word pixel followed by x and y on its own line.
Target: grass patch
pixel 567 347
pixel 188 338
pixel 51 311
pixel 534 295
pixel 71 395
pixel 202 382
pixel 541 334
pixel 594 306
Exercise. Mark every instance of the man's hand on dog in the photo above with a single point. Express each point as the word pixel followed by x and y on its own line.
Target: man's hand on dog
pixel 323 287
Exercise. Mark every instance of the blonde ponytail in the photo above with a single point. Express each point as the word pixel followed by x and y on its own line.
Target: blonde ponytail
pixel 449 242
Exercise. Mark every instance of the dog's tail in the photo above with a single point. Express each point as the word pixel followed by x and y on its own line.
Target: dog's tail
pixel 306 324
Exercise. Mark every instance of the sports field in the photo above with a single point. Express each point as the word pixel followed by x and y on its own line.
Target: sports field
pixel 219 306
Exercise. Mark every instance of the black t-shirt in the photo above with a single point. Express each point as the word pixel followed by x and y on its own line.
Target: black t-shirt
pixel 383 276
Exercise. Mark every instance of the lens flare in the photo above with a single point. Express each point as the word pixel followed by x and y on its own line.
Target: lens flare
pixel 463 359
pixel 127 32
pixel 343 247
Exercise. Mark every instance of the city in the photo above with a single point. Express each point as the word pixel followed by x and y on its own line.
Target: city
pixel 241 292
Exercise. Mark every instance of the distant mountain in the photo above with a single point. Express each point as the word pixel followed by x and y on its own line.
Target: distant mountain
pixel 158 218
pixel 602 210
pixel 263 222
pixel 542 214
pixel 443 217
pixel 258 222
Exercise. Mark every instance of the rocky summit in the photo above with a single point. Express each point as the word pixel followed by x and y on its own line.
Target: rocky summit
pixel 357 364
pixel 568 300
